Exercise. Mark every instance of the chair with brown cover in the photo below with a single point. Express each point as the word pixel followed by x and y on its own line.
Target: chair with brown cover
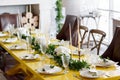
pixel 97 38
pixel 65 34
pixel 113 51
pixel 7 18
pixel 83 32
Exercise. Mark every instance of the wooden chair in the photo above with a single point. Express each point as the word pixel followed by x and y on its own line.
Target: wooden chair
pixel 94 33
pixel 113 51
pixel 65 34
pixel 83 32
pixel 7 18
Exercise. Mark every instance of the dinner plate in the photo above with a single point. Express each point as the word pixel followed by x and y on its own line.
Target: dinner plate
pixel 49 69
pixel 107 63
pixel 89 74
pixel 18 47
pixel 29 56
pixel 9 40
pixel 82 51
pixel 2 34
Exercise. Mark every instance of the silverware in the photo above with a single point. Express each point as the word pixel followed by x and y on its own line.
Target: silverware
pixel 78 77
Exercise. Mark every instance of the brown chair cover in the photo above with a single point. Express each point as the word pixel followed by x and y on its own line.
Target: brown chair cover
pixel 65 34
pixel 7 18
pixel 113 51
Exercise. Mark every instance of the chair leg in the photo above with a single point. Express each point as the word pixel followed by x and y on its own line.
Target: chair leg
pixel 2 60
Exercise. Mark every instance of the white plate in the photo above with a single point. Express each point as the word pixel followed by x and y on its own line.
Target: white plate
pixel 109 63
pixel 18 47
pixel 2 34
pixel 89 74
pixel 9 40
pixel 48 69
pixel 82 51
pixel 29 56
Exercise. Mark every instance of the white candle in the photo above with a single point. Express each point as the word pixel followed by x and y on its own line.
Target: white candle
pixel 78 39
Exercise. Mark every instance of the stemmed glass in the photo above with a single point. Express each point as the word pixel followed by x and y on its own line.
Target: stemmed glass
pixel 19 35
pixel 65 62
pixel 28 42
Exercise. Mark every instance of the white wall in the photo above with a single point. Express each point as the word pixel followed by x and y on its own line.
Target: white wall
pixel 12 9
pixel 77 7
pixel 45 10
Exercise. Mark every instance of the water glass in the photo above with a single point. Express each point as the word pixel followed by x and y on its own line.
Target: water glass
pixel 65 62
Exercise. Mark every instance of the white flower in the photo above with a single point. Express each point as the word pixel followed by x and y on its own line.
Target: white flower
pixel 62 50
pixel 41 40
pixel 24 31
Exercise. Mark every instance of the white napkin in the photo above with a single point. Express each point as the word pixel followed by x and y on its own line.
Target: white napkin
pixel 10 40
pixel 29 56
pixel 48 69
pixel 2 34
pixel 17 46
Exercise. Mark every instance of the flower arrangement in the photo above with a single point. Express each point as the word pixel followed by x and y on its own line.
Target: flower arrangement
pixel 57 53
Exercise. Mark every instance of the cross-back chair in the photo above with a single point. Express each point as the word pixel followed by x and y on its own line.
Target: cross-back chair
pixel 5 19
pixel 83 33
pixel 97 38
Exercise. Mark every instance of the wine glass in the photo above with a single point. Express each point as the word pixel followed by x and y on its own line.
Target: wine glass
pixel 65 62
pixel 19 35
pixel 28 42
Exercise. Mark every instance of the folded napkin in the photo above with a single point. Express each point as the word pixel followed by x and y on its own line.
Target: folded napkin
pixel 29 56
pixel 10 40
pixel 17 46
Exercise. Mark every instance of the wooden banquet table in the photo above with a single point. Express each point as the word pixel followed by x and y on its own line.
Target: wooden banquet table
pixel 30 66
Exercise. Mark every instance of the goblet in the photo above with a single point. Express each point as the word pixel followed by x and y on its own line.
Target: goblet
pixel 65 62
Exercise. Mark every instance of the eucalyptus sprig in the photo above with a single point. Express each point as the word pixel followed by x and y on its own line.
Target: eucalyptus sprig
pixel 77 64
pixel 36 46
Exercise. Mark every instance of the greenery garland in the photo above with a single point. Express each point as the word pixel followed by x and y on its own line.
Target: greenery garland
pixel 59 15
pixel 73 64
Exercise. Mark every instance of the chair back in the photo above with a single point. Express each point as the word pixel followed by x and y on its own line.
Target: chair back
pixel 83 32
pixel 7 18
pixel 113 51
pixel 94 34
pixel 65 34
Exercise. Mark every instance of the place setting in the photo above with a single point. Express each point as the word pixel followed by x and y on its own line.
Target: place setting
pixel 18 47
pixel 28 56
pixel 3 34
pixel 9 40
pixel 49 69
pixel 103 62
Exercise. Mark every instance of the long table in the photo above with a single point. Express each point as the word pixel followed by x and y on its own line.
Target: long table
pixel 30 66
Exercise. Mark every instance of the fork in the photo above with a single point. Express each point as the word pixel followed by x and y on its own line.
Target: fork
pixel 78 77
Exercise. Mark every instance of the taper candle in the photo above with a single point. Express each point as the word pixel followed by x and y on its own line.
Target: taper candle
pixel 78 39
